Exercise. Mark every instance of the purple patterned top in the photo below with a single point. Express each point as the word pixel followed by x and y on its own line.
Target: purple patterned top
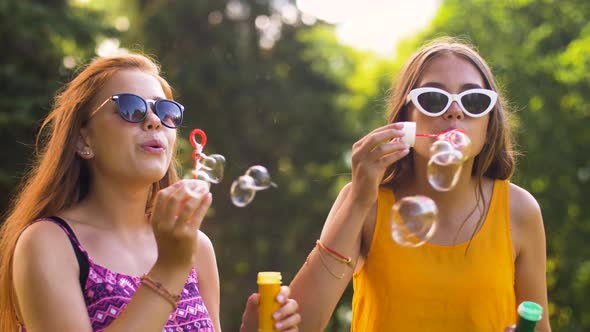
pixel 107 293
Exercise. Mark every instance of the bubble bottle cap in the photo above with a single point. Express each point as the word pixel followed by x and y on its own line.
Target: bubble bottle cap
pixel 409 133
pixel 530 311
pixel 269 277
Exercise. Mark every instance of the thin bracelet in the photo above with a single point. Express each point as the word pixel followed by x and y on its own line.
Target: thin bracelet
pixel 323 263
pixel 327 267
pixel 339 257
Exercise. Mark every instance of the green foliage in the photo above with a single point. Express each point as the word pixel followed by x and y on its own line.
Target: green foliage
pixel 36 37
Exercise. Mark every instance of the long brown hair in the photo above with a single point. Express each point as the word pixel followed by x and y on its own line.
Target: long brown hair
pixel 59 178
pixel 497 159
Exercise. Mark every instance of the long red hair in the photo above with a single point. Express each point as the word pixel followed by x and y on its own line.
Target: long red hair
pixel 59 178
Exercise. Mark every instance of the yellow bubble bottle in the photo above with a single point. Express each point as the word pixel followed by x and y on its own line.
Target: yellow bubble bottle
pixel 269 285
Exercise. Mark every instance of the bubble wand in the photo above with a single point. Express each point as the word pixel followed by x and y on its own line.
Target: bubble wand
pixel 410 134
pixel 198 152
pixel 208 169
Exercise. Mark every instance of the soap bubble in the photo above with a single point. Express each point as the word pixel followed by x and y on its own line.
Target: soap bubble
pixel 444 166
pixel 260 176
pixel 196 188
pixel 459 140
pixel 244 188
pixel 210 168
pixel 413 220
pixel 447 155
pixel 242 191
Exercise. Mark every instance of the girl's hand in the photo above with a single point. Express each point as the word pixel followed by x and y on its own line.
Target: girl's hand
pixel 510 328
pixel 371 156
pixel 176 219
pixel 286 319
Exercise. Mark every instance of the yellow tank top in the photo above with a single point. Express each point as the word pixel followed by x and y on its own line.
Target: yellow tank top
pixel 435 288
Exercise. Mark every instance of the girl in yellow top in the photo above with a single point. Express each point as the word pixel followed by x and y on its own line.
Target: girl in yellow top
pixel 488 253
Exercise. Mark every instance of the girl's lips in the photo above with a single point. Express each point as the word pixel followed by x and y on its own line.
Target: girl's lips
pixel 153 149
pixel 153 146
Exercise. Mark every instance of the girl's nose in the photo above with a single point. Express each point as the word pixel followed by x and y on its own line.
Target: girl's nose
pixel 454 112
pixel 152 121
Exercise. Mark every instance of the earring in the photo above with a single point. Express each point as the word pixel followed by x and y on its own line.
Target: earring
pixel 84 153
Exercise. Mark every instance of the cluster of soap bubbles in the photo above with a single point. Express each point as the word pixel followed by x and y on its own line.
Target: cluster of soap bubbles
pixel 210 169
pixel 447 155
pixel 414 218
pixel 244 188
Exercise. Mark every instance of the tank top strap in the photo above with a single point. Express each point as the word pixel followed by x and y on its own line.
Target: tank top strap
pixel 81 254
pixel 385 201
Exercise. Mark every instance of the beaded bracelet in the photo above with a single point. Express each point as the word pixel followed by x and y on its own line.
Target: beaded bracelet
pixel 159 289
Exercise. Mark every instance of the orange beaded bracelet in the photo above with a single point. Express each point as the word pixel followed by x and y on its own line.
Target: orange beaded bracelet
pixel 159 289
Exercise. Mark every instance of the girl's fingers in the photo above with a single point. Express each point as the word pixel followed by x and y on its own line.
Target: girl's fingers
pixel 187 209
pixel 371 141
pixel 393 157
pixel 175 208
pixel 283 295
pixel 173 203
pixel 290 321
pixel 392 127
pixel 161 195
pixel 292 329
pixel 199 213
pixel 250 315
pixel 384 138
pixel 161 205
pixel 363 148
pixel 253 301
pixel 395 125
pixel 288 309
pixel 386 149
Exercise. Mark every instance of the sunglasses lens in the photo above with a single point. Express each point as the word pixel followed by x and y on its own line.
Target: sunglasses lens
pixel 433 102
pixel 132 108
pixel 169 112
pixel 476 103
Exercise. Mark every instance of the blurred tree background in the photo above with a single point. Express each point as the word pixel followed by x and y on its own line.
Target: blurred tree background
pixel 274 87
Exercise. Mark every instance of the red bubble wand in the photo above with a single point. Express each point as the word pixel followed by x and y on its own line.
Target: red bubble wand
pixel 198 152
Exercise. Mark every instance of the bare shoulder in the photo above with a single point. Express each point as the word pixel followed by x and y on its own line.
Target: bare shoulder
pixel 206 259
pixel 526 221
pixel 45 267
pixel 205 245
pixel 44 245
pixel 524 208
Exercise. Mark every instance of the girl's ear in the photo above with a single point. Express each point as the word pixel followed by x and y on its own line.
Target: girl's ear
pixel 83 147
